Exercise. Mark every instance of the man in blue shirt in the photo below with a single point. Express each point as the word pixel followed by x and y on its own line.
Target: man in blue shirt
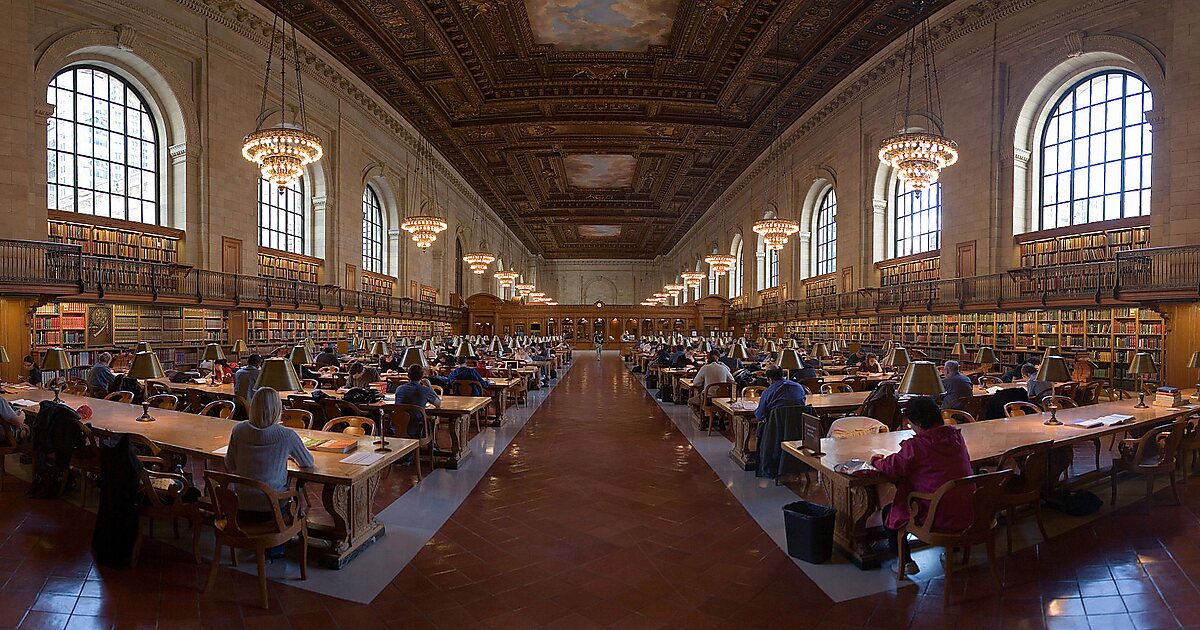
pixel 959 389
pixel 781 393
pixel 417 392
pixel 101 376
pixel 245 378
pixel 465 372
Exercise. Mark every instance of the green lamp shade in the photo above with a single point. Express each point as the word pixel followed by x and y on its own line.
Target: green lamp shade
pixel 1193 363
pixel 958 350
pixel 55 360
pixel 738 352
pixel 413 356
pixel 300 355
pixel 143 346
pixel 819 350
pixel 1053 370
pixel 898 357
pixel 496 347
pixel 464 349
pixel 279 374
pixel 986 356
pixel 239 346
pixel 213 352
pixel 145 366
pixel 789 359
pixel 3 355
pixel 379 348
pixel 1142 363
pixel 921 378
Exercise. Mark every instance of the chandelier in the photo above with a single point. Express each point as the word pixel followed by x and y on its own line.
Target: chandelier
pixel 281 152
pixel 775 231
pixel 919 156
pixel 536 296
pixel 661 297
pixel 524 289
pixel 649 303
pixel 479 261
pixel 551 303
pixel 692 278
pixel 673 287
pixel 720 264
pixel 424 229
pixel 506 278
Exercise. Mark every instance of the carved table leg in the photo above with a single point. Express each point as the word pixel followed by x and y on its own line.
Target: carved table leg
pixel 459 449
pixel 354 524
pixel 854 505
pixel 742 452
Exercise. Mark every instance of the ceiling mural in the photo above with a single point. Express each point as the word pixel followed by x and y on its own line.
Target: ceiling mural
pixel 631 25
pixel 632 115
pixel 599 231
pixel 600 171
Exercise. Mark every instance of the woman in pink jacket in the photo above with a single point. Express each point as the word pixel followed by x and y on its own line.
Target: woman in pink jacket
pixel 934 455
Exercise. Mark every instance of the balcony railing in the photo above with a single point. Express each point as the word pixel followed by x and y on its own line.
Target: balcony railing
pixel 39 263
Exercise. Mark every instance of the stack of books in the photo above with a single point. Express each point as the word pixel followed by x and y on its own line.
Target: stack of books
pixel 1168 397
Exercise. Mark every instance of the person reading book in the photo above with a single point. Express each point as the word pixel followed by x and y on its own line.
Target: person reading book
pixel 259 448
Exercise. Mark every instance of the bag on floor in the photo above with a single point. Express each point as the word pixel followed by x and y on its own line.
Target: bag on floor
pixel 666 395
pixel 553 373
pixel 1079 503
pixel 651 381
pixel 116 528
pixel 637 369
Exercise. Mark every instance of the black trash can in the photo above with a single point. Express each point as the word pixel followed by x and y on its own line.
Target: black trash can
pixel 809 531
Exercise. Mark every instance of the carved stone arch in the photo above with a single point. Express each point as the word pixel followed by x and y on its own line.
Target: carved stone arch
pixel 1076 56
pixel 600 289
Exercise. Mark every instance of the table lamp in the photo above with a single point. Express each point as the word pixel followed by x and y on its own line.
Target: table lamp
pixel 413 356
pixel 143 346
pixel 819 351
pixel 379 348
pixel 145 366
pixel 1142 365
pixel 738 351
pixel 898 358
pixel 788 360
pixel 280 375
pixel 239 348
pixel 1193 363
pixel 886 351
pixel 213 352
pixel 985 357
pixel 1051 351
pixel 300 356
pixel 310 345
pixel 958 350
pixel 464 349
pixel 496 347
pixel 771 347
pixel 1053 369
pixel 56 361
pixel 921 378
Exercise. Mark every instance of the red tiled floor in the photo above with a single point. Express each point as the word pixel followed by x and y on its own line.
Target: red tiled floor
pixel 600 514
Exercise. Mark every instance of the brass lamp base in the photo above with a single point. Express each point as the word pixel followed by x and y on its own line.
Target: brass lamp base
pixel 146 417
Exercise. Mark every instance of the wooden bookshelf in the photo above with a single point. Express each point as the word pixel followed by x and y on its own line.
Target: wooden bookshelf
pixel 1108 336
pixel 1097 242
pixel 769 296
pixel 114 238
pixel 268 330
pixel 910 269
pixel 427 293
pixel 378 283
pixel 820 286
pixel 273 263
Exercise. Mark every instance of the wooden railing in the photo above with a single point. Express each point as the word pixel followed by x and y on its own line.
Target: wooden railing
pixel 1167 272
pixel 60 269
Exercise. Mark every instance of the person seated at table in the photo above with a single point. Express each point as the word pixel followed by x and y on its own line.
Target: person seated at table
pixel 959 389
pixel 418 391
pixel 326 357
pixel 245 378
pixel 1012 374
pixel 35 373
pixel 465 372
pixel 781 392
pixel 361 375
pixel 869 365
pixel 1034 388
pixel 680 358
pixel 12 419
pixel 521 354
pixel 481 368
pixel 259 449
pixel 934 455
pixel 808 371
pixel 221 372
pixel 858 356
pixel 100 376
pixel 391 363
pixel 713 372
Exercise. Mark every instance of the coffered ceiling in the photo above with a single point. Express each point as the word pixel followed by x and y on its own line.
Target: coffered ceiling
pixel 601 128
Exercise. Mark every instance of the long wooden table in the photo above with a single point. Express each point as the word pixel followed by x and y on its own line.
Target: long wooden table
pixel 856 498
pixel 349 489
pixel 745 425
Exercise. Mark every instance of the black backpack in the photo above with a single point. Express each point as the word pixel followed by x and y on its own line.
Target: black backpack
pixel 117 517
pixel 362 396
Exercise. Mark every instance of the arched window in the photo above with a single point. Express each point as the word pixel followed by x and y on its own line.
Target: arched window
pixel 735 274
pixel 372 231
pixel 1095 152
pixel 918 219
pixel 826 231
pixel 768 272
pixel 281 222
pixel 102 146
pixel 714 282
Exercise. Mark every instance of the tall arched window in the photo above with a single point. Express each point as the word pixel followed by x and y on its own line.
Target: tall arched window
pixel 1095 152
pixel 458 267
pixel 918 219
pixel 826 231
pixel 768 272
pixel 735 274
pixel 102 146
pixel 372 231
pixel 281 222
pixel 714 282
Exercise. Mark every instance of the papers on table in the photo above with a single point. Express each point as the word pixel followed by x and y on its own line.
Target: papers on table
pixel 21 402
pixel 1103 421
pixel 363 458
pixel 200 381
pixel 993 389
pixel 744 405
pixel 222 451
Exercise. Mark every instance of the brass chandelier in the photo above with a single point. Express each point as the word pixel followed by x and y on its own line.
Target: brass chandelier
pixel 720 264
pixel 506 278
pixel 919 156
pixel 524 289
pixel 282 151
pixel 692 279
pixel 775 231
pixel 481 258
pixel 425 226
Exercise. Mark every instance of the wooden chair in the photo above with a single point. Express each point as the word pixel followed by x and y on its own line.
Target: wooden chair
pixel 121 397
pixel 1030 466
pixel 1189 447
pixel 241 408
pixel 957 416
pixel 76 388
pixel 310 384
pixel 195 400
pixel 233 530
pixel 296 418
pixel 327 370
pixel 1020 408
pixel 856 383
pixel 753 392
pixel 314 409
pixel 351 425
pixel 1113 394
pixel 986 493
pixel 163 401
pixel 709 409
pixel 1155 453
pixel 154 388
pixel 8 446
pixel 1058 401
pixel 466 387
pixel 1088 394
pixel 336 408
pixel 218 409
pixel 437 389
pixel 165 494
pixel 836 388
pixel 398 417
pixel 990 381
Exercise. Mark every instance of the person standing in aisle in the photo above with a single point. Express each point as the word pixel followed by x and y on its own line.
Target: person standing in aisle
pixel 598 339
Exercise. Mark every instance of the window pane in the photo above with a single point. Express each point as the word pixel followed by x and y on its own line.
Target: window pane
pixel 372 231
pixel 918 222
pixel 1109 146
pixel 281 216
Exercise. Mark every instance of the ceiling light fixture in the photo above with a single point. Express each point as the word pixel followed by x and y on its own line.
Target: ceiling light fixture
pixel 693 279
pixel 506 278
pixel 720 264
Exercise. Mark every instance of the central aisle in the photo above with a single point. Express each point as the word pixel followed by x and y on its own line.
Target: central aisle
pixel 601 513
